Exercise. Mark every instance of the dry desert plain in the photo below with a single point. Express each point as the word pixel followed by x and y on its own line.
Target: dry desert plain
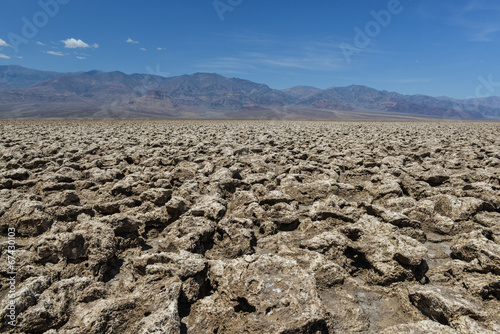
pixel 250 227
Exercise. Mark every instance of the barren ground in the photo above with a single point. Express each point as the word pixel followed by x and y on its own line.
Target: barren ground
pixel 250 227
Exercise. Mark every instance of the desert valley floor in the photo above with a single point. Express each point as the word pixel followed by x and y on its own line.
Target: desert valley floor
pixel 250 227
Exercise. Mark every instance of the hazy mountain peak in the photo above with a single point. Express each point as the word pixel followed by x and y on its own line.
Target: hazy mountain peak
pixel 16 77
pixel 301 92
pixel 93 72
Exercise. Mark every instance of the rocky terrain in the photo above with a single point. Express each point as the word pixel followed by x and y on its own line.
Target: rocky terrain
pixel 250 227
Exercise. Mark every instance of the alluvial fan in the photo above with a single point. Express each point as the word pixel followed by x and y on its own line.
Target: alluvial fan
pixel 249 227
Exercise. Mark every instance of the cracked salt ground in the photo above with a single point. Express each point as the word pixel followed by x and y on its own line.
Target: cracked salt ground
pixel 438 253
pixel 368 310
pixel 251 227
pixel 381 311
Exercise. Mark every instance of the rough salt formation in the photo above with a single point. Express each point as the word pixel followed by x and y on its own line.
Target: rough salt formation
pixel 251 227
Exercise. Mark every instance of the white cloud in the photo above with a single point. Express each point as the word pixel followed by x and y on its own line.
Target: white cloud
pixel 79 57
pixel 55 53
pixel 39 43
pixel 143 49
pixel 159 49
pixel 4 56
pixel 130 40
pixel 3 43
pixel 72 43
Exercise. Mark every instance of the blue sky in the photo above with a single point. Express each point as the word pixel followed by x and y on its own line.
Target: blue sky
pixel 446 47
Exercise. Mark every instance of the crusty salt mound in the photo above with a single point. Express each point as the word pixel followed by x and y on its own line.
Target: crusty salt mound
pixel 249 227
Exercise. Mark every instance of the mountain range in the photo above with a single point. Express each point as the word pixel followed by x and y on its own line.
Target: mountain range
pixel 28 93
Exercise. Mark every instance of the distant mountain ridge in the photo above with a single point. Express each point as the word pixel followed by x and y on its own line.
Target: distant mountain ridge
pixel 26 93
pixel 15 77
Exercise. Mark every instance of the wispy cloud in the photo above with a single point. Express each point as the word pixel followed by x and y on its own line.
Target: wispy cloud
pixel 3 43
pixel 485 34
pixel 55 53
pixel 277 53
pixel 293 54
pixel 72 43
pixel 476 5
pixel 412 80
pixel 4 56
pixel 80 57
pixel 39 43
pixel 130 40
pixel 143 49
pixel 479 18
pixel 325 62
pixel 226 63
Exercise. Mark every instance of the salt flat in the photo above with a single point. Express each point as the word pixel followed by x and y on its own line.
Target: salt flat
pixel 256 226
